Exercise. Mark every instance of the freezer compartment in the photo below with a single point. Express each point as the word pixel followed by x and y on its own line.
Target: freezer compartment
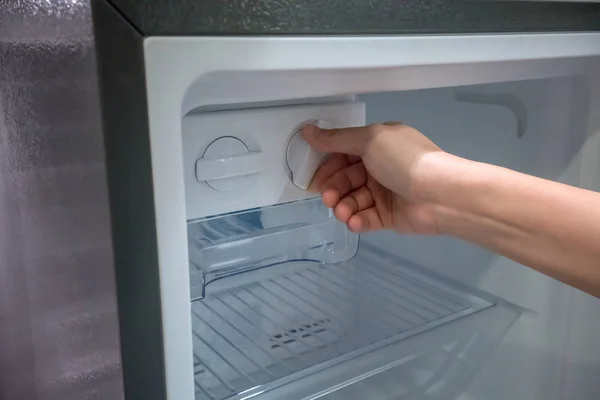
pixel 254 337
pixel 235 243
pixel 365 341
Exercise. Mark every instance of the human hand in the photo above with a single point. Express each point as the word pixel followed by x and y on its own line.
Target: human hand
pixel 371 178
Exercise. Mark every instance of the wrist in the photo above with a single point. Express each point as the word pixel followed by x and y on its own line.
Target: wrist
pixel 432 175
pixel 445 184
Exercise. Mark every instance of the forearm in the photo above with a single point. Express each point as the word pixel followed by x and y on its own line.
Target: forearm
pixel 548 226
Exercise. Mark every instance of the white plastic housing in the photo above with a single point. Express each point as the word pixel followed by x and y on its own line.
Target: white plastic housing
pixel 236 160
pixel 302 160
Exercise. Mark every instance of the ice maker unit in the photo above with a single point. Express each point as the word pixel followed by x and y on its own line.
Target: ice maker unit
pixel 241 159
pixel 265 295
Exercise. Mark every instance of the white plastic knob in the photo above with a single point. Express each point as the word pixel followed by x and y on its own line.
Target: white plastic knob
pixel 302 160
pixel 227 164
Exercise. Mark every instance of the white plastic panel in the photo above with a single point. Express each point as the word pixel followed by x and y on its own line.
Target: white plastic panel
pixel 251 167
pixel 560 123
pixel 560 142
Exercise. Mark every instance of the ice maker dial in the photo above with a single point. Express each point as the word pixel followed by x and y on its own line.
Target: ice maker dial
pixel 227 164
pixel 302 160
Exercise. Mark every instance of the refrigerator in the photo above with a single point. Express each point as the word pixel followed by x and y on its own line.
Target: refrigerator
pixel 232 281
pixel 266 295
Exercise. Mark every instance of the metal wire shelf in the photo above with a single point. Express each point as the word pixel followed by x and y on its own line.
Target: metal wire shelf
pixel 266 333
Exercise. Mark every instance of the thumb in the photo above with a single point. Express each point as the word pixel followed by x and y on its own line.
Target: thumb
pixel 350 141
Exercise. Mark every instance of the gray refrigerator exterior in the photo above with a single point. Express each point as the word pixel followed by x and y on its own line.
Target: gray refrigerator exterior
pixel 58 312
pixel 339 17
pixel 80 313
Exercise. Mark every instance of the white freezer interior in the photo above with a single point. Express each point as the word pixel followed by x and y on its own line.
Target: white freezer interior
pixel 406 317
pixel 374 326
pixel 549 352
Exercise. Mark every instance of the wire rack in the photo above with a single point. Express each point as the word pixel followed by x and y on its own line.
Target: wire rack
pixel 284 327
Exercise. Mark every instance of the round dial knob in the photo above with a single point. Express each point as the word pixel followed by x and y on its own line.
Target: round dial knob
pixel 222 151
pixel 302 160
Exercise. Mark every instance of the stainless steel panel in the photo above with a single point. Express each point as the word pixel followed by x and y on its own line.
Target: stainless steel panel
pixel 58 315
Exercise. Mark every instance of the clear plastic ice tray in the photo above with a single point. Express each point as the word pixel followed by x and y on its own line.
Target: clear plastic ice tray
pixel 235 243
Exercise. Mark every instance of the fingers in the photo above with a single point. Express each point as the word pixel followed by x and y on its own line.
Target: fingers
pixel 343 182
pixel 356 201
pixel 347 140
pixel 335 163
pixel 365 221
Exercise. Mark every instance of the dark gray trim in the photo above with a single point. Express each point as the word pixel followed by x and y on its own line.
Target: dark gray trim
pixel 125 123
pixel 214 17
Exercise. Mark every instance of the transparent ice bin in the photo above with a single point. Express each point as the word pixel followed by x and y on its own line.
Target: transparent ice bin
pixel 232 244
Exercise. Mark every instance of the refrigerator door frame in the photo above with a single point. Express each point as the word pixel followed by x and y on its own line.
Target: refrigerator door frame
pixel 188 73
